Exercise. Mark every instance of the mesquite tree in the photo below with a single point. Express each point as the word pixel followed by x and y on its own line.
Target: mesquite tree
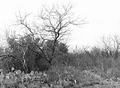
pixel 51 24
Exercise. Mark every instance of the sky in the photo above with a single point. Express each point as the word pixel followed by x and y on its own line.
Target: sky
pixel 103 17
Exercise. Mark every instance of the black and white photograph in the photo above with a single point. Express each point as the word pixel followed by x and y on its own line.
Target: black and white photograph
pixel 59 44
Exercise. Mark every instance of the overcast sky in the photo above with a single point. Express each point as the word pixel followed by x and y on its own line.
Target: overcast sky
pixel 103 17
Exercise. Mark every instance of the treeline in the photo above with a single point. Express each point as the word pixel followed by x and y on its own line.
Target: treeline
pixel 28 55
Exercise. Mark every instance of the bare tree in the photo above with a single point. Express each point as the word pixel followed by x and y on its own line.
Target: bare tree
pixel 111 45
pixel 111 50
pixel 116 46
pixel 106 47
pixel 52 24
pixel 57 23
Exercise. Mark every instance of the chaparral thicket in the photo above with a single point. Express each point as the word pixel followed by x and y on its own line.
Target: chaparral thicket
pixel 37 54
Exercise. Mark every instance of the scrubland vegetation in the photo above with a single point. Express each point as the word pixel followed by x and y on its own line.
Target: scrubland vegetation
pixel 40 59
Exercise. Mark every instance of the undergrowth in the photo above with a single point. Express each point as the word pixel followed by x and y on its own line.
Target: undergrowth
pixel 67 77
